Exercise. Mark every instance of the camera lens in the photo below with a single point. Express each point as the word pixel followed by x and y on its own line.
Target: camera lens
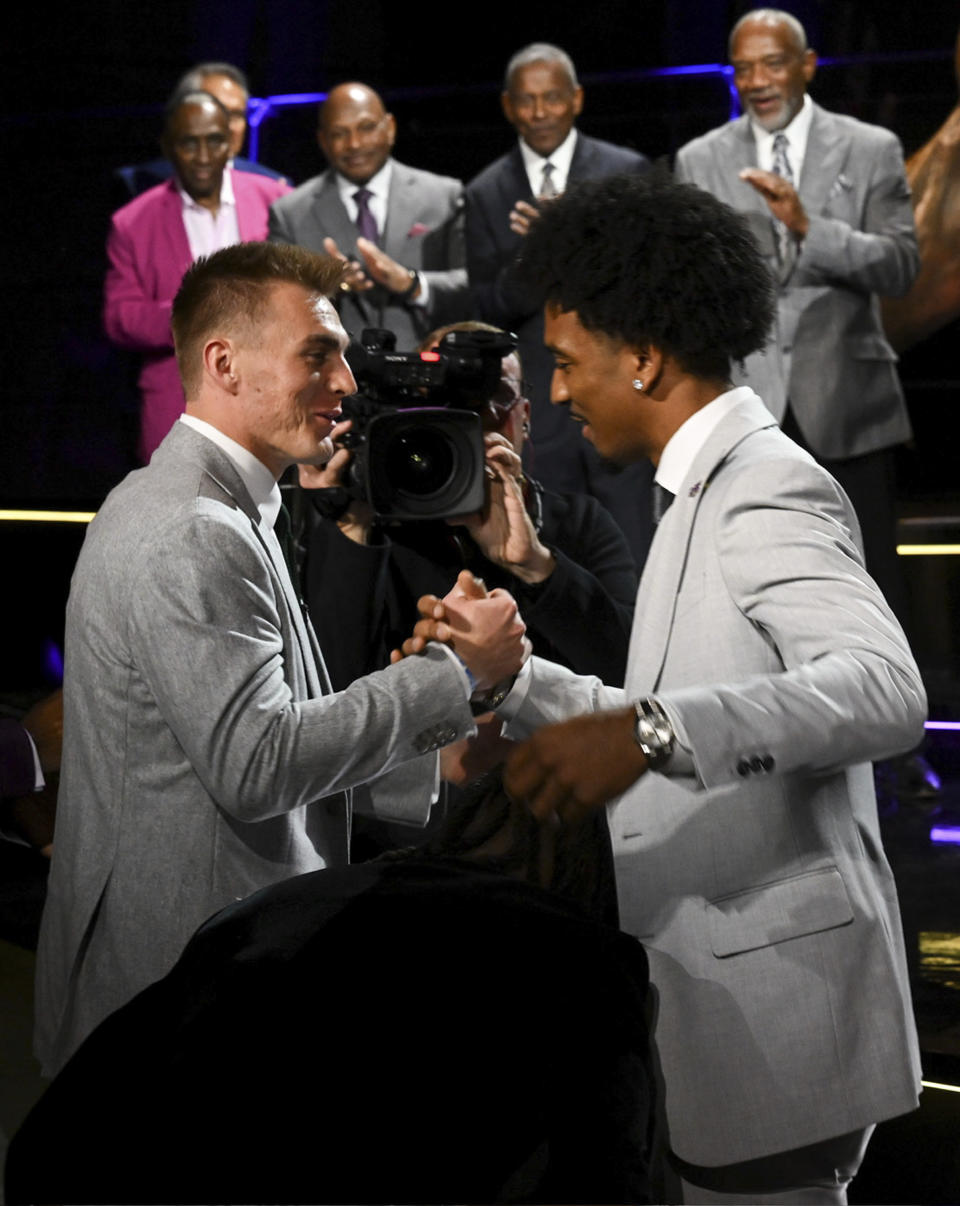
pixel 421 462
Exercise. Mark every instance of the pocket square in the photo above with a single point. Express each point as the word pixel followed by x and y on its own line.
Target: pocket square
pixel 841 184
pixel 417 229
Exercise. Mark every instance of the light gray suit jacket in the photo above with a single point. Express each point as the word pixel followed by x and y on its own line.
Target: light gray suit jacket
pixel 424 231
pixel 828 353
pixel 753 870
pixel 204 756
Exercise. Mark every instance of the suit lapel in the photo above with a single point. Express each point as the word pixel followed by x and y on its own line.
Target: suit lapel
pixel 173 233
pixel 823 160
pixel 667 560
pixel 331 216
pixel 184 440
pixel 333 221
pixel 402 202
pixel 249 206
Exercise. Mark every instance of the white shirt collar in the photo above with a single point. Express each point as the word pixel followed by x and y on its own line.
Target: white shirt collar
pixel 797 132
pixel 378 185
pixel 227 196
pixel 260 482
pixel 561 158
pixel 681 449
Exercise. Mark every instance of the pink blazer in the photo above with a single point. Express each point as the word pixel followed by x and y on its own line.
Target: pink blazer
pixel 148 253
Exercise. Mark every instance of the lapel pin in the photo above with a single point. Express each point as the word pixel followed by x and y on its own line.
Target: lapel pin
pixel 694 490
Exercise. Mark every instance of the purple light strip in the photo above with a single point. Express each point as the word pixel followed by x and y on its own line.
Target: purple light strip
pixel 943 726
pixel 262 107
pixel 945 834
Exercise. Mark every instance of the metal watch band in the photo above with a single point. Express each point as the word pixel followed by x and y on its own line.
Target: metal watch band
pixel 653 732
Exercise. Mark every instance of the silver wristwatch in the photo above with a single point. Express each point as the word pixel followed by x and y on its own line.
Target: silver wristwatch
pixel 654 733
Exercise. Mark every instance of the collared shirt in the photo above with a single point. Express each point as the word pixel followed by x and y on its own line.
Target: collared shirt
pixel 681 449
pixel 379 188
pixel 207 231
pixel 263 489
pixel 796 133
pixel 561 159
pixel 260 482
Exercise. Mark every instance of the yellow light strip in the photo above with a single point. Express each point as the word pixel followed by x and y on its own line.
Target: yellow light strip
pixel 928 550
pixel 932 1084
pixel 47 516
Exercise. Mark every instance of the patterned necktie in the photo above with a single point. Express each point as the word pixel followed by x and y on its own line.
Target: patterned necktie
pixel 662 498
pixel 547 187
pixel 786 247
pixel 366 222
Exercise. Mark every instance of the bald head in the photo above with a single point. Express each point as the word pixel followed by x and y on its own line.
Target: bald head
pixel 196 140
pixel 355 133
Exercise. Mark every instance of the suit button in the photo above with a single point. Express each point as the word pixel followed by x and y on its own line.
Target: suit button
pixel 768 761
pixel 756 764
pixel 743 767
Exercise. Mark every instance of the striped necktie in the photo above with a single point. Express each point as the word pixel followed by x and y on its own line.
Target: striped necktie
pixel 786 246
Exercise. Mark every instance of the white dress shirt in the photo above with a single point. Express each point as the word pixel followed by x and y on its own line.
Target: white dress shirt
pixel 796 134
pixel 259 481
pixel 561 159
pixel 681 449
pixel 208 231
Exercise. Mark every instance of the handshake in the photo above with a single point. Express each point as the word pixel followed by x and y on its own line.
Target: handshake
pixel 484 629
pixel 565 769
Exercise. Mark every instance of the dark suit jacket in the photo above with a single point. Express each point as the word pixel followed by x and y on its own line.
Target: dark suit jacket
pixel 413 1032
pixel 559 456
pixel 424 231
pixel 17 772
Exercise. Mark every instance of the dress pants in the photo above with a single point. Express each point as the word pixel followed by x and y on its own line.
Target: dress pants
pixel 819 1173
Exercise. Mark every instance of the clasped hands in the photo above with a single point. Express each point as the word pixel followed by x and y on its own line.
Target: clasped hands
pixel 377 268
pixel 564 769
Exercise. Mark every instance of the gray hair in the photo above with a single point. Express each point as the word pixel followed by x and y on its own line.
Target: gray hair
pixel 193 79
pixel 771 16
pixel 540 52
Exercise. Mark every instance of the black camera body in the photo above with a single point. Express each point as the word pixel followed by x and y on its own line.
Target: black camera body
pixel 417 436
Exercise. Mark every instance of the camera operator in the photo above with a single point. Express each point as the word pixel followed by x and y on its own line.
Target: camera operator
pixel 561 556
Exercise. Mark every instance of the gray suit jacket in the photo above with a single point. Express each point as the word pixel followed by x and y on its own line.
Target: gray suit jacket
pixel 424 231
pixel 828 354
pixel 752 869
pixel 203 756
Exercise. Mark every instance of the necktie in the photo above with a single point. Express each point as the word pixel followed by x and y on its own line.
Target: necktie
pixel 547 187
pixel 283 530
pixel 662 498
pixel 781 165
pixel 366 222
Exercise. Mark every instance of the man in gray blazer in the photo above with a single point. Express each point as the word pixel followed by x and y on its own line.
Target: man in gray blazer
pixel 399 229
pixel 765 672
pixel 828 199
pixel 204 754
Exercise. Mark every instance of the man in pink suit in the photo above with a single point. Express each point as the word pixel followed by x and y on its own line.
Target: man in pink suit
pixel 155 238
